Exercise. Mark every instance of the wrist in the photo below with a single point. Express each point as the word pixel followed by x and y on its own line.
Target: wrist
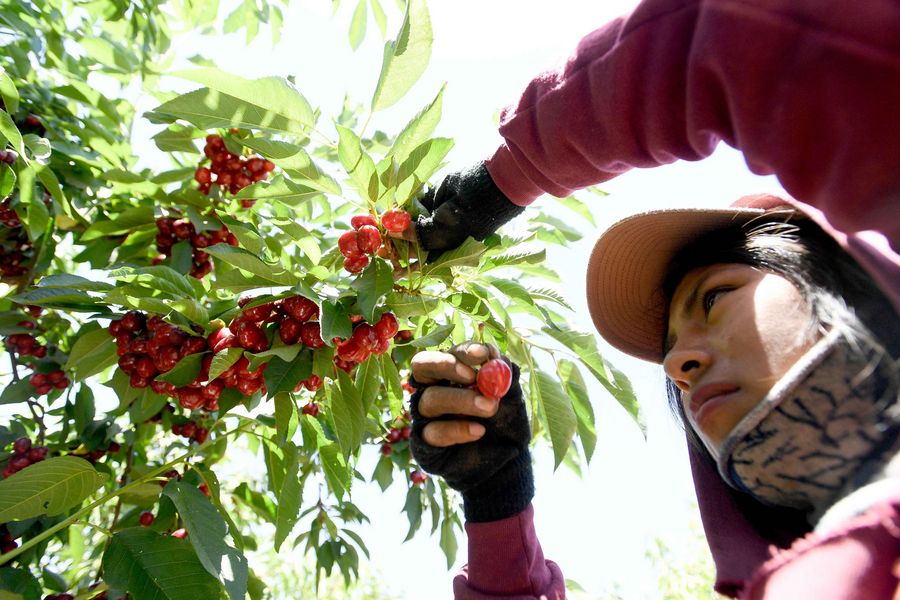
pixel 505 493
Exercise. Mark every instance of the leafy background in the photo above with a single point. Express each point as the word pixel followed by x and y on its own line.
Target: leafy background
pixel 628 468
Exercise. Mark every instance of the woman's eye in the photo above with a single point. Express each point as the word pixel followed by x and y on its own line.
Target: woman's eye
pixel 711 296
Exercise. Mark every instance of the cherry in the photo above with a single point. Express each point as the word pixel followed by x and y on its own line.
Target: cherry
pixel 387 326
pixel 221 339
pixel 289 330
pixel 133 321
pixel 356 264
pixel 21 446
pixel 494 378
pixel 418 477
pixel 180 533
pixel 386 450
pixel 348 244
pixel 201 434
pixel 203 175
pixel 310 335
pixel 252 337
pixel 146 519
pixel 311 409
pixel 396 221
pixel 357 221
pixel 368 239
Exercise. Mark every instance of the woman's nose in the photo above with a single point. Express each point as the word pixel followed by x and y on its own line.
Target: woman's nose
pixel 685 363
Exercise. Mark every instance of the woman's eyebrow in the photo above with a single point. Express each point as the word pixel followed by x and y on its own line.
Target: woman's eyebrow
pixel 686 306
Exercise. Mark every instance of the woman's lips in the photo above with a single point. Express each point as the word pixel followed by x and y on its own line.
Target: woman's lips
pixel 706 394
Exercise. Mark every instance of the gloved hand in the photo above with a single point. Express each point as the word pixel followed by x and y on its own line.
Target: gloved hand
pixel 479 448
pixel 467 203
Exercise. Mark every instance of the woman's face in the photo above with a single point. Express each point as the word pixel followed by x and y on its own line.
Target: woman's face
pixel 733 332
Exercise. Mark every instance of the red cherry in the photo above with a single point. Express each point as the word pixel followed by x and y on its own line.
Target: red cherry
pixel 310 335
pixel 396 221
pixel 387 326
pixel 180 533
pixel 38 453
pixel 133 321
pixel 202 175
pixel 356 263
pixel 201 434
pixel 19 462
pixel 349 245
pixel 494 378
pixel 252 337
pixel 188 429
pixel 38 379
pixel 248 387
pixel 418 477
pixel 368 239
pixel 204 489
pixel 146 519
pixel 145 368
pixel 394 435
pixel 139 382
pixel 189 398
pixel 300 308
pixel 183 229
pixel 357 221
pixel 21 446
pixel 386 449
pixel 313 383
pixel 405 432
pixel 311 409
pixel 193 345
pixel 289 330
pixel 213 389
pixel 221 339
pixel 259 313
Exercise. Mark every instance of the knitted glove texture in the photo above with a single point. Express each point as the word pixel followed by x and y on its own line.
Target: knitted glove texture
pixel 467 203
pixel 494 472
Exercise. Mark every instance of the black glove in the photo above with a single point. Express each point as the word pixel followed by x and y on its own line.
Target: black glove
pixel 467 203
pixel 494 472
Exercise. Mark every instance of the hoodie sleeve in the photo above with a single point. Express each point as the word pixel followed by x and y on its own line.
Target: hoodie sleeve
pixel 506 562
pixel 806 89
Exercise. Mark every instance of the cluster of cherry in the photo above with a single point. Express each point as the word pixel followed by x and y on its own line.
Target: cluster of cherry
pixel 16 250
pixel 24 454
pixel 191 430
pixel 365 238
pixel 231 171
pixel 172 230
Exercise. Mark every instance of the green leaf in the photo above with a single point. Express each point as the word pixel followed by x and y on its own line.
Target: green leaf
pixel 18 584
pixel 223 361
pixel 185 372
pixel 419 128
pixel 392 385
pixel 448 541
pixel 295 161
pixel 50 487
pixel 433 338
pixel 58 298
pixel 7 180
pixel 348 413
pixel 92 353
pixel 334 321
pixel 405 306
pixel 75 282
pixel 557 408
pixel 206 532
pixel 10 132
pixel 259 503
pixel 282 376
pixel 368 382
pixel 284 410
pixel 128 220
pixel 371 286
pixel 512 290
pixel 280 188
pixel 421 164
pixel 549 294
pixel 572 381
pixel 358 25
pixel 466 255
pixel 8 92
pixel 16 392
pixel 384 473
pixel 177 138
pixel 358 164
pixel 584 345
pixel 405 58
pixel 289 496
pixel 240 258
pixel 150 565
pixel 267 104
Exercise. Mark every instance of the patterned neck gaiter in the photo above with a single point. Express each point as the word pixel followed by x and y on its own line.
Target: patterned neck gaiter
pixel 826 428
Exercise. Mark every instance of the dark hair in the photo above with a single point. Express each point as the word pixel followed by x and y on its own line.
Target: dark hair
pixel 839 292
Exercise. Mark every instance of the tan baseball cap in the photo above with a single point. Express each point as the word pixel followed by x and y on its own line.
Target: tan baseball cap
pixel 628 264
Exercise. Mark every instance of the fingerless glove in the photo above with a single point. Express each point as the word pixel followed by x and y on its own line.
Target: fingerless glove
pixel 467 203
pixel 494 472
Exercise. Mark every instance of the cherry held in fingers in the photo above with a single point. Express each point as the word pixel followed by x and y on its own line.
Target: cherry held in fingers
pixel 494 378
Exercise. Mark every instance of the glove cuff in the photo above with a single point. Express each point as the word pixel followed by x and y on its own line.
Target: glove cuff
pixel 504 494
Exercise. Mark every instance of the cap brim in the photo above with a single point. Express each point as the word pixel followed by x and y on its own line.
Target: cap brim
pixel 628 265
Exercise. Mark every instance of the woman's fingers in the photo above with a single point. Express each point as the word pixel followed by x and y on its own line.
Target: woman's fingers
pixel 440 400
pixel 432 366
pixel 441 434
pixel 474 353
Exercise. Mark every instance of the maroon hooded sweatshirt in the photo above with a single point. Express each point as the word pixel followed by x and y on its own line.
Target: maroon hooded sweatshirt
pixel 808 90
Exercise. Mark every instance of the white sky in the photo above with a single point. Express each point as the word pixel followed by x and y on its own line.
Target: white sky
pixel 597 528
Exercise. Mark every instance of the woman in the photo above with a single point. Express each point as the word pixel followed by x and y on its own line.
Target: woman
pixel 781 353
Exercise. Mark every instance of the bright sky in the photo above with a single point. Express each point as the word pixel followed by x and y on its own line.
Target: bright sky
pixel 597 528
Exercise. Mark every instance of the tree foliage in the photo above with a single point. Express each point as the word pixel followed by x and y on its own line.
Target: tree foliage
pixel 120 283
